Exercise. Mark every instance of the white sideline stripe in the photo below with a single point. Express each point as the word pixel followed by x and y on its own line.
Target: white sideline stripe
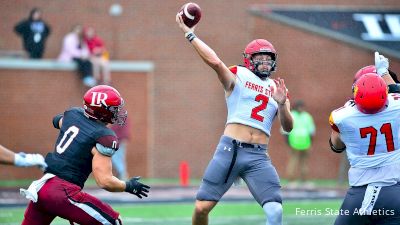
pixel 92 212
pixel 287 220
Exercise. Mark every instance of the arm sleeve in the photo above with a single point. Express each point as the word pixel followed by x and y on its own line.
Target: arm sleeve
pixel 56 120
pixel 48 30
pixel 105 150
pixel 20 28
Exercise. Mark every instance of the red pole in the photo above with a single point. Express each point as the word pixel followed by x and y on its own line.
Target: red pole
pixel 184 173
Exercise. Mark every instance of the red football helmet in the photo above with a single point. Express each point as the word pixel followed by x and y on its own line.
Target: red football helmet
pixel 370 93
pixel 364 70
pixel 104 103
pixel 255 47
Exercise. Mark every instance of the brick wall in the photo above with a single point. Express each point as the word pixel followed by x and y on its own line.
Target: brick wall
pixel 186 108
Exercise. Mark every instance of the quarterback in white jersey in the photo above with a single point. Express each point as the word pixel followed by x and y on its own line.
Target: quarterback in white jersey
pixel 253 101
pixel 368 129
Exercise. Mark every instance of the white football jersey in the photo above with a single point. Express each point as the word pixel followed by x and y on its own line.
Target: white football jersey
pixel 251 102
pixel 372 142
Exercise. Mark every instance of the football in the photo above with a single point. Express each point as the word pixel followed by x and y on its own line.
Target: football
pixel 191 14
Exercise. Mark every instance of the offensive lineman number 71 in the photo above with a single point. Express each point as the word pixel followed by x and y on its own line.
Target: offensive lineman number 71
pixel 386 129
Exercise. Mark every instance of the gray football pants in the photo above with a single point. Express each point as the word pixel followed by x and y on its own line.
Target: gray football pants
pixel 233 159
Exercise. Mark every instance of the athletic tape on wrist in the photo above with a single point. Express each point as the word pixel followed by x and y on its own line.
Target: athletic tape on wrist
pixel 190 36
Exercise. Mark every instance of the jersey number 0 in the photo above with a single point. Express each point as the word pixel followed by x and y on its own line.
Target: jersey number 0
pixel 67 138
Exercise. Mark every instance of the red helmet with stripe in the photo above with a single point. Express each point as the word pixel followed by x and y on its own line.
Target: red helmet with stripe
pixel 104 103
pixel 370 93
pixel 255 47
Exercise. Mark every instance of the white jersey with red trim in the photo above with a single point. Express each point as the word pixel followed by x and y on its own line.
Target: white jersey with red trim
pixel 372 142
pixel 251 102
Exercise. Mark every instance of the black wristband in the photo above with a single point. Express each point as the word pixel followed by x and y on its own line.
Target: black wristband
pixel 334 148
pixel 190 36
pixel 127 186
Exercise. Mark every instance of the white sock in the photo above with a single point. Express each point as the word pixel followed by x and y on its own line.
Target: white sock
pixel 273 210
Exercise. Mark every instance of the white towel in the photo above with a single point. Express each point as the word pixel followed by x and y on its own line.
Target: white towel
pixel 35 187
pixel 370 198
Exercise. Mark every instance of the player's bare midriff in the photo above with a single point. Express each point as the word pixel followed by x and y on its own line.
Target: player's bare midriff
pixel 246 133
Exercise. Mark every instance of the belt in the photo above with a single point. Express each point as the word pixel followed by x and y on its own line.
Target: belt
pixel 245 145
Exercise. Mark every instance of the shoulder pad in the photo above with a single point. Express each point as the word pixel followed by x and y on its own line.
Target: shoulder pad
pixel 74 110
pixel 56 120
pixel 109 141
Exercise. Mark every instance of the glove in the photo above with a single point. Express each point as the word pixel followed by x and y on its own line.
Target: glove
pixel 24 160
pixel 133 186
pixel 381 64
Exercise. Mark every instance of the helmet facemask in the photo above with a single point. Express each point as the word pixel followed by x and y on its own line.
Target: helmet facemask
pixel 256 63
pixel 119 114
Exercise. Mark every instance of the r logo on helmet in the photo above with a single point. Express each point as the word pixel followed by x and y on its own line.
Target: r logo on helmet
pixel 99 99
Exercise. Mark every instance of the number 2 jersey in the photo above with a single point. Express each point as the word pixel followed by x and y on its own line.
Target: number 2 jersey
pixel 72 157
pixel 372 142
pixel 251 102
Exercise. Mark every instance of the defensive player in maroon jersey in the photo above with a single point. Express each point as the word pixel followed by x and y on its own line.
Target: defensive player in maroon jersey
pixel 84 145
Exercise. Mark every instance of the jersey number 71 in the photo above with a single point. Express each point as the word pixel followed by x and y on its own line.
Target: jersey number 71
pixel 385 129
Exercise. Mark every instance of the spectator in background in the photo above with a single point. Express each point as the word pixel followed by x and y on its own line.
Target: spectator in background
pixel 34 32
pixel 300 141
pixel 98 56
pixel 75 49
pixel 119 158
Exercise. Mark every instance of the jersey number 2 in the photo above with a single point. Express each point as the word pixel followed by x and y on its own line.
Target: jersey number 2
pixel 254 112
pixel 67 138
pixel 386 129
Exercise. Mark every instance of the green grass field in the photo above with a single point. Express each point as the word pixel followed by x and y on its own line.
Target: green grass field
pixel 166 182
pixel 232 213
